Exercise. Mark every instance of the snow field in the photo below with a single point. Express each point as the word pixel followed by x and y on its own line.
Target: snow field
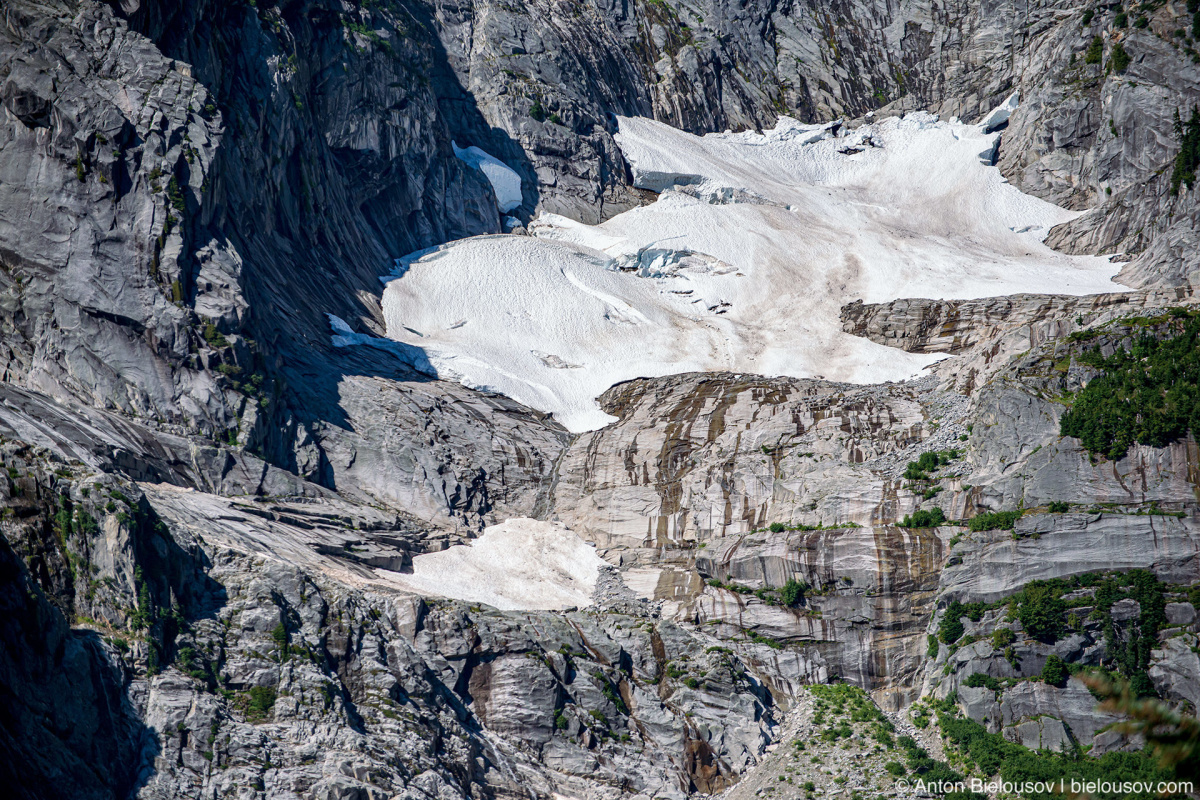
pixel 743 263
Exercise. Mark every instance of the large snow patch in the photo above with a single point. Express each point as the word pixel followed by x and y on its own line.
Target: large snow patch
pixel 742 264
pixel 520 564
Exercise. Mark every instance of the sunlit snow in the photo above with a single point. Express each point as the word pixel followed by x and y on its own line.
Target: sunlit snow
pixel 520 564
pixel 506 183
pixel 742 264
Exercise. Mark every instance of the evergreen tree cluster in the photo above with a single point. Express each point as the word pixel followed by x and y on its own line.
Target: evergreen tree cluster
pixel 1149 394
pixel 992 754
pixel 1188 157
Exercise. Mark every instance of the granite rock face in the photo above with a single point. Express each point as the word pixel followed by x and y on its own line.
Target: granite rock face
pixel 1100 139
pixel 261 167
pixel 703 455
pixel 206 504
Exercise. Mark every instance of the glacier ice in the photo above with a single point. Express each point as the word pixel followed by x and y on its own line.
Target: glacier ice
pixel 743 264
pixel 999 115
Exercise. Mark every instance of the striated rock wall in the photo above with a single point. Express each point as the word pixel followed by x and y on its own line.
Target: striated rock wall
pixel 919 325
pixel 196 644
pixel 1099 139
pixel 988 332
pixel 703 455
pixel 865 618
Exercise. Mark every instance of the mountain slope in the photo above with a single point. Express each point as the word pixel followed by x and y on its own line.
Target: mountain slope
pixel 205 502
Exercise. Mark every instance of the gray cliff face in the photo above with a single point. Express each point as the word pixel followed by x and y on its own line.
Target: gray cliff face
pixel 206 505
pixel 1095 138
pixel 368 691
pixel 94 126
pixel 260 167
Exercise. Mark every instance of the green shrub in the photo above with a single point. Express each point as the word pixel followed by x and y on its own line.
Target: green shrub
pixel 1095 51
pixel 994 520
pixel 1119 61
pixel 1057 507
pixel 924 519
pixel 214 337
pixel 777 527
pixel 87 523
pixel 1121 20
pixel 63 525
pixel 175 195
pixel 792 592
pixel 1087 16
pixel 1054 672
pixel 978 679
pixel 932 647
pixel 1003 637
pixel 1141 686
pixel 987 750
pixel 1040 610
pixel 950 629
pixel 895 768
pixel 259 702
pixel 928 462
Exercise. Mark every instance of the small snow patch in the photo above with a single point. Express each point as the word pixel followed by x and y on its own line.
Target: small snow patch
pixel 343 335
pixel 504 179
pixel 519 565
pixel 998 116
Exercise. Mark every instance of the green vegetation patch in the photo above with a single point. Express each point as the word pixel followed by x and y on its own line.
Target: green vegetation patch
pixel 990 754
pixel 994 521
pixel 1046 614
pixel 1149 394
pixel 1120 60
pixel 1188 157
pixel 782 527
pixel 978 680
pixel 257 703
pixel 791 594
pixel 924 519
pixel 928 462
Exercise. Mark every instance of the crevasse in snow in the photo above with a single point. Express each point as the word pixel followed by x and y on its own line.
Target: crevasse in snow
pixel 742 264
